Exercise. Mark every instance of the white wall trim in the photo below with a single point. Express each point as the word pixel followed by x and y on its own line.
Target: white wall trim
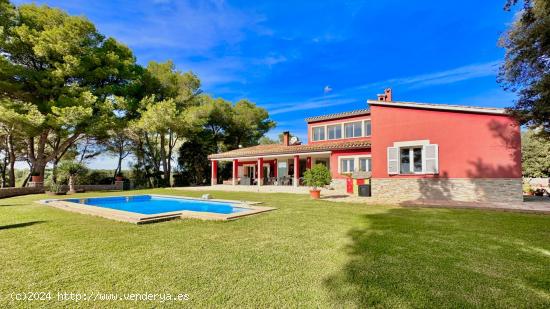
pixel 411 143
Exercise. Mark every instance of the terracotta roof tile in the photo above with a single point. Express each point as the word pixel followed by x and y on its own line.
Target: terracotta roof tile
pixel 358 112
pixel 273 149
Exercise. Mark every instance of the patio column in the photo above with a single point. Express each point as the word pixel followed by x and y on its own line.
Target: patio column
pixel 308 163
pixel 296 170
pixel 235 173
pixel 214 177
pixel 260 171
pixel 276 171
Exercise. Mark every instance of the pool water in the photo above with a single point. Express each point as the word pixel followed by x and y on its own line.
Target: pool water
pixel 150 204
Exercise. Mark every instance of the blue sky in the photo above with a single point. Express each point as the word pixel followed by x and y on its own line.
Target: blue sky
pixel 306 58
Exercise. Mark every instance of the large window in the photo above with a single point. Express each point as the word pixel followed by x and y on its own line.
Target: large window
pixel 318 133
pixel 334 131
pixel 364 165
pixel 368 129
pixel 347 165
pixel 353 129
pixel 360 163
pixel 413 157
pixel 410 159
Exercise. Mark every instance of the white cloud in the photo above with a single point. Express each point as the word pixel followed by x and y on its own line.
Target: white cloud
pixel 315 103
pixel 440 78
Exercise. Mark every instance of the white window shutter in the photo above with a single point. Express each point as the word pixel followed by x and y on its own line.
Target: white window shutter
pixel 393 160
pixel 431 159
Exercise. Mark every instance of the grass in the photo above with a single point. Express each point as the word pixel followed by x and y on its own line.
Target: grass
pixel 304 254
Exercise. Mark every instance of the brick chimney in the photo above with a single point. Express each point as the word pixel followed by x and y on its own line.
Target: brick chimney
pixel 286 138
pixel 386 96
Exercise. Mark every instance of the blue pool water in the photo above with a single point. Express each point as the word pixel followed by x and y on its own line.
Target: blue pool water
pixel 150 204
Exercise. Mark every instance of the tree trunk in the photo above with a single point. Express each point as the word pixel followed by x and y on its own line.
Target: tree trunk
pixel 26 180
pixel 166 172
pixel 11 155
pixel 71 183
pixel 3 167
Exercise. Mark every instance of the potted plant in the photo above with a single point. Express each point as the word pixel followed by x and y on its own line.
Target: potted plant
pixel 36 177
pixel 72 170
pixel 317 177
pixel 527 189
pixel 56 189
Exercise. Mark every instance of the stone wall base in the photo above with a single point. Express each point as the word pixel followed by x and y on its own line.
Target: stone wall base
pixel 495 190
pixel 9 192
pixel 338 184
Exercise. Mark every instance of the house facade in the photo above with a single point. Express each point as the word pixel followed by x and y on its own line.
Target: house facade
pixel 406 150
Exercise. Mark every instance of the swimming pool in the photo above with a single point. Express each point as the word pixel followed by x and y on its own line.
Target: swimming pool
pixel 155 207
pixel 151 204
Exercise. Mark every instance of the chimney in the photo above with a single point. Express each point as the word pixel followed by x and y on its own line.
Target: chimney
pixel 286 138
pixel 386 96
pixel 387 92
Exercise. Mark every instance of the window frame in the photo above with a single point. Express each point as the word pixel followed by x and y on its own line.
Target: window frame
pixel 412 161
pixel 334 125
pixel 365 128
pixel 422 144
pixel 352 122
pixel 355 159
pixel 324 133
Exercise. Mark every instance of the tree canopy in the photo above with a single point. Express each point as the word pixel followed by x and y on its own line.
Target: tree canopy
pixel 68 93
pixel 526 69
pixel 535 152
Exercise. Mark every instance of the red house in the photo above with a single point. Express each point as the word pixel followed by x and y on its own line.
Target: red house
pixel 406 150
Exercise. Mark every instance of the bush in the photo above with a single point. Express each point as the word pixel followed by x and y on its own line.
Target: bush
pixel 317 176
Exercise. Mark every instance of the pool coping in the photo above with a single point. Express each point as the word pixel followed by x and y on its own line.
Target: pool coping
pixel 137 218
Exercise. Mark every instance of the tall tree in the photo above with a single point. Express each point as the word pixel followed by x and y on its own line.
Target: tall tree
pixel 526 69
pixel 248 124
pixel 535 154
pixel 66 69
pixel 17 121
pixel 166 115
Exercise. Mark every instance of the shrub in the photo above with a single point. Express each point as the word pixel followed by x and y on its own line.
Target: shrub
pixel 317 176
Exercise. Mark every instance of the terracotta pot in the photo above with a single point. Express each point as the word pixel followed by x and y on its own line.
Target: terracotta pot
pixel 37 178
pixel 119 178
pixel 315 194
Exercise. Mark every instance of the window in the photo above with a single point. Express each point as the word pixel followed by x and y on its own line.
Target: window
pixel 347 165
pixel 334 131
pixel 414 157
pixel 360 163
pixel 364 165
pixel 367 128
pixel 319 133
pixel 353 129
pixel 411 160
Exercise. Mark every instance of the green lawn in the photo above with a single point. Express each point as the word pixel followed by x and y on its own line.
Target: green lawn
pixel 306 253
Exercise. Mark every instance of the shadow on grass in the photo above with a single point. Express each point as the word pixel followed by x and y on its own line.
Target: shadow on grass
pixel 18 225
pixel 444 258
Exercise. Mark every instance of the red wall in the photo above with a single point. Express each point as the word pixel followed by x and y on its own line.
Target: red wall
pixel 470 145
pixel 322 123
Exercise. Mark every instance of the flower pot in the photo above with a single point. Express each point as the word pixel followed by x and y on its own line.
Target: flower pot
pixel 315 194
pixel 37 178
pixel 119 178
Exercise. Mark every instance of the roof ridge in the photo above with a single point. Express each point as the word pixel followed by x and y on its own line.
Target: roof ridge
pixel 282 149
pixel 441 106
